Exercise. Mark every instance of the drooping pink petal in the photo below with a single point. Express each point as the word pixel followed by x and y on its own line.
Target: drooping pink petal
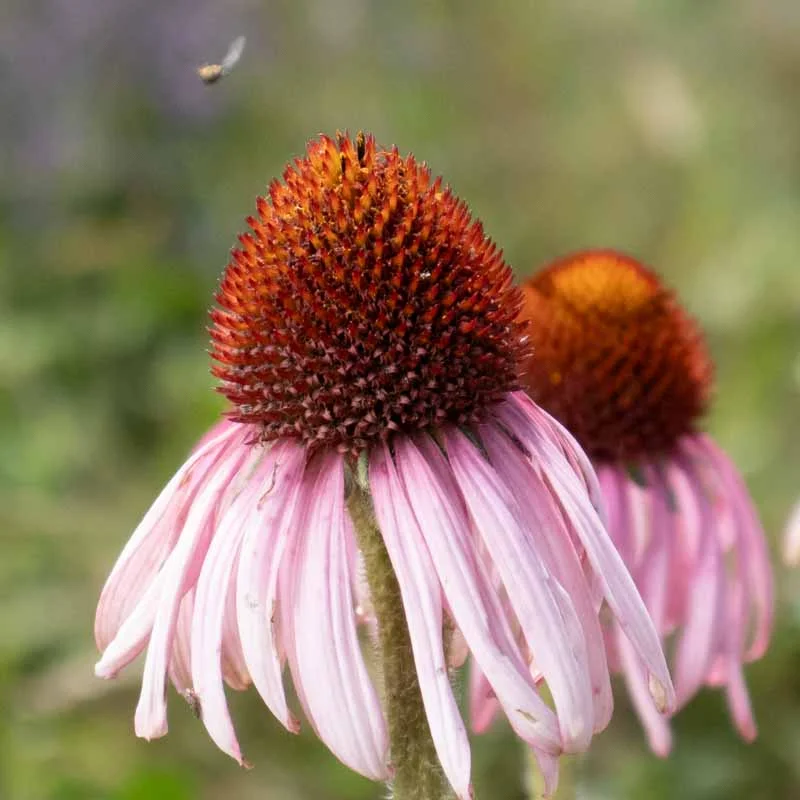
pixel 737 694
pixel 180 665
pixel 739 704
pixel 155 536
pixel 288 569
pixel 178 575
pixel 211 596
pixel 652 576
pixel 133 634
pixel 753 555
pixel 689 509
pixel 131 637
pixel 257 583
pixel 543 608
pixel 470 591
pixel 655 724
pixel 421 595
pixel 705 611
pixel 234 666
pixel 612 490
pixel 548 768
pixel 624 518
pixel 618 586
pixel 569 446
pixel 558 554
pixel 692 504
pixel 328 667
pixel 483 702
pixel 637 503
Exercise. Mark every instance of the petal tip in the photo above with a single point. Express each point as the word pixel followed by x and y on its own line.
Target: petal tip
pixel 661 749
pixel 151 730
pixel 662 693
pixel 102 671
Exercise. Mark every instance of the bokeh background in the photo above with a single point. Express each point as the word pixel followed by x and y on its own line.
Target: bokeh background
pixel 670 129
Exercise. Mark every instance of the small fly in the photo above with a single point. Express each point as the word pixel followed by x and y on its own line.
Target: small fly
pixel 211 73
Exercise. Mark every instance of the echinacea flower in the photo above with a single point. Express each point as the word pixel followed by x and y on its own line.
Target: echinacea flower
pixel 625 370
pixel 367 339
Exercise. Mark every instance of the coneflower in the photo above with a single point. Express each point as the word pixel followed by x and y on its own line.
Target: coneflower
pixel 620 364
pixel 367 339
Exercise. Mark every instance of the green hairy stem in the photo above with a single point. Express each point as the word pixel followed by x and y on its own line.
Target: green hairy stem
pixel 418 773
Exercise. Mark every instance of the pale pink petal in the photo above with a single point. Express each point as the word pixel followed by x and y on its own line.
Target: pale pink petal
pixel 791 538
pixel 738 697
pixel 288 569
pixel 474 602
pixel 637 503
pixel 608 477
pixel 544 610
pixel 753 557
pixel 705 611
pixel 618 586
pixel 623 515
pixel 133 634
pixel 653 577
pixel 130 638
pixel 690 511
pixel 234 666
pixel 483 703
pixel 257 583
pixel 180 665
pixel 155 536
pixel 739 704
pixel 178 575
pixel 211 596
pixel 558 554
pixel 692 504
pixel 655 724
pixel 421 595
pixel 548 769
pixel 329 669
pixel 569 446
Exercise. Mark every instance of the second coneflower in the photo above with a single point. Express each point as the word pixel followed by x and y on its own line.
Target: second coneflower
pixel 367 339
pixel 621 365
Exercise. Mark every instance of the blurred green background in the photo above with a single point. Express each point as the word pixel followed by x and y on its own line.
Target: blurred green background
pixel 669 129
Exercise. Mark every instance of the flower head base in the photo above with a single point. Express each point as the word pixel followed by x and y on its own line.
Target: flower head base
pixel 617 360
pixel 365 300
pixel 365 314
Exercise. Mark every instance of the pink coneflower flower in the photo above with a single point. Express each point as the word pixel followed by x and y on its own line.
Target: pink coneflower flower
pixel 620 364
pixel 366 336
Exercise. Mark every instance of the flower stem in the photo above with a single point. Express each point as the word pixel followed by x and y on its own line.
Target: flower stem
pixel 418 774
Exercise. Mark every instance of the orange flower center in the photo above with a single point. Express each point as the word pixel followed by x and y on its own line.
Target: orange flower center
pixel 364 300
pixel 615 359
